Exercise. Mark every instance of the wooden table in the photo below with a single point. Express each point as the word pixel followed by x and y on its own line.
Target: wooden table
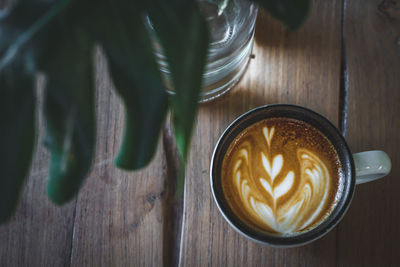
pixel 344 63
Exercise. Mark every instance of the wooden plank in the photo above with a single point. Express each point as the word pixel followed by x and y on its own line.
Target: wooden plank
pixel 40 233
pixel 369 233
pixel 119 214
pixel 300 68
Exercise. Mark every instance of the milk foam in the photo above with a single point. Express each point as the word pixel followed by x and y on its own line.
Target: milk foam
pixel 305 192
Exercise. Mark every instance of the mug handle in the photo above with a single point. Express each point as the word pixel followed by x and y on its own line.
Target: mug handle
pixel 371 165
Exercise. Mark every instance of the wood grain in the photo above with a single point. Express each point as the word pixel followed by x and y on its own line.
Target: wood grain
pixel 300 68
pixel 121 218
pixel 119 214
pixel 39 233
pixel 369 234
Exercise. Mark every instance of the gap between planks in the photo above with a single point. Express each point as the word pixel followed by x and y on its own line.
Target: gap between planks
pixel 343 98
pixel 172 207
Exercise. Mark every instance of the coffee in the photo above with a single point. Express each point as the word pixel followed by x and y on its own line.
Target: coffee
pixel 281 176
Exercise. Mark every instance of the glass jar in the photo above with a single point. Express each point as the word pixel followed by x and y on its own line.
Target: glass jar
pixel 231 24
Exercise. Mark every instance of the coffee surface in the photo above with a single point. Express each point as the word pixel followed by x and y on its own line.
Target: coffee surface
pixel 281 175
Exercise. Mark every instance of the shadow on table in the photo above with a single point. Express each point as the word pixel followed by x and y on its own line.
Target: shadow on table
pixel 270 33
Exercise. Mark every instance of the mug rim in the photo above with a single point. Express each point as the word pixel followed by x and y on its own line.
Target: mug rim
pixel 328 130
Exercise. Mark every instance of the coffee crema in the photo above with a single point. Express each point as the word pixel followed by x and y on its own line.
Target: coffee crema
pixel 281 175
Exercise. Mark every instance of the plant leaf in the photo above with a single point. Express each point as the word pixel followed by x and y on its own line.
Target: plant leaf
pixel 17 135
pixel 69 109
pixel 183 34
pixel 136 78
pixel 292 13
pixel 19 25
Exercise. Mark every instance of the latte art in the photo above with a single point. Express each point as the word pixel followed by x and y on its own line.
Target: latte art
pixel 279 176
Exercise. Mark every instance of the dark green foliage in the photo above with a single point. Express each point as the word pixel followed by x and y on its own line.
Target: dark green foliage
pixel 69 113
pixel 291 12
pixel 58 38
pixel 17 135
pixel 189 34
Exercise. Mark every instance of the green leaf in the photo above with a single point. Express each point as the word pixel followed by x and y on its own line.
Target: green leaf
pixel 19 25
pixel 18 28
pixel 292 13
pixel 183 34
pixel 69 109
pixel 17 135
pixel 136 77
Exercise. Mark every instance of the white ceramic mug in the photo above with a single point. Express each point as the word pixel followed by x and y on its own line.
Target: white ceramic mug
pixel 357 169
